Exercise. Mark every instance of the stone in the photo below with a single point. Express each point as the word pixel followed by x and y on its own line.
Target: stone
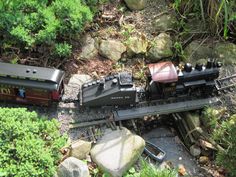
pixel 206 145
pixel 226 52
pixel 78 79
pixel 117 151
pixel 161 47
pixel 136 4
pixel 73 167
pixel 164 23
pixel 80 149
pixel 181 170
pixel 89 50
pixel 196 51
pixel 72 89
pixel 112 49
pixel 137 45
pixel 203 160
pixel 195 150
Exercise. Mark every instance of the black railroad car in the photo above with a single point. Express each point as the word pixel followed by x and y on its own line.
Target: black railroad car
pixel 29 84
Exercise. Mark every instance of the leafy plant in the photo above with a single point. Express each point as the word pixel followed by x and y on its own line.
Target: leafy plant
pixel 225 135
pixel 62 50
pixel 148 169
pixel 29 145
pixel 127 31
pixel 219 14
pixel 223 132
pixel 30 24
pixel 179 50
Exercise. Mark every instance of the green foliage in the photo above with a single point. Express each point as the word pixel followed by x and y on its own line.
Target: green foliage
pixel 225 135
pixel 31 23
pixel 212 116
pixel 29 145
pixel 148 169
pixel 179 50
pixel 219 14
pixel 62 50
pixel 223 131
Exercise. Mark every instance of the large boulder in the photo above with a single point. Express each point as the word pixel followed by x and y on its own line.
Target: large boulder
pixel 117 151
pixel 136 4
pixel 161 47
pixel 72 167
pixel 226 52
pixel 80 149
pixel 165 22
pixel 137 45
pixel 89 50
pixel 112 49
pixel 197 50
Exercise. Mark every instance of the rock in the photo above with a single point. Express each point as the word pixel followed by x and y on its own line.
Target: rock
pixel 72 167
pixel 136 4
pixel 195 150
pixel 206 145
pixel 137 45
pixel 117 151
pixel 89 49
pixel 181 170
pixel 203 160
pixel 226 52
pixel 112 49
pixel 73 87
pixel 161 47
pixel 165 22
pixel 80 149
pixel 78 79
pixel 196 51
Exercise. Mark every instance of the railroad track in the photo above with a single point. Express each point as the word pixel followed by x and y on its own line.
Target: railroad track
pixel 226 83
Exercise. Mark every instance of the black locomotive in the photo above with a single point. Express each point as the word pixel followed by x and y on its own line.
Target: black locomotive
pixel 36 85
pixel 164 81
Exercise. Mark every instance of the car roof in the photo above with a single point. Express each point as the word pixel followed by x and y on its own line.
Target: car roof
pixel 17 71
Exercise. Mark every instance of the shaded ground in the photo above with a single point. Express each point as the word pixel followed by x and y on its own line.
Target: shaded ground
pixel 176 152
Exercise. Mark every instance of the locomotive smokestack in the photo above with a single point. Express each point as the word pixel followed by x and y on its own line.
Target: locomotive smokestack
pixel 198 66
pixel 209 64
pixel 188 67
pixel 101 84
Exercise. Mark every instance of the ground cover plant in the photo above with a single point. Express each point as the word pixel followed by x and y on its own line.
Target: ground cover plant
pixel 29 145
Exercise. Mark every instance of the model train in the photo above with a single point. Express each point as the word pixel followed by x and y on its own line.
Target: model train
pixel 42 86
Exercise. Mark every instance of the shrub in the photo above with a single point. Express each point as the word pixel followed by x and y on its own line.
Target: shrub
pixel 29 145
pixel 31 23
pixel 62 50
pixel 225 135
pixel 223 131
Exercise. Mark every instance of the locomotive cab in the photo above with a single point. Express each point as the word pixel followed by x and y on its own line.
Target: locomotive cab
pixel 161 80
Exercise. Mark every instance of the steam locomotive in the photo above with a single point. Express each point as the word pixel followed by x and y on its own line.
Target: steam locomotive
pixel 42 86
pixel 164 80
